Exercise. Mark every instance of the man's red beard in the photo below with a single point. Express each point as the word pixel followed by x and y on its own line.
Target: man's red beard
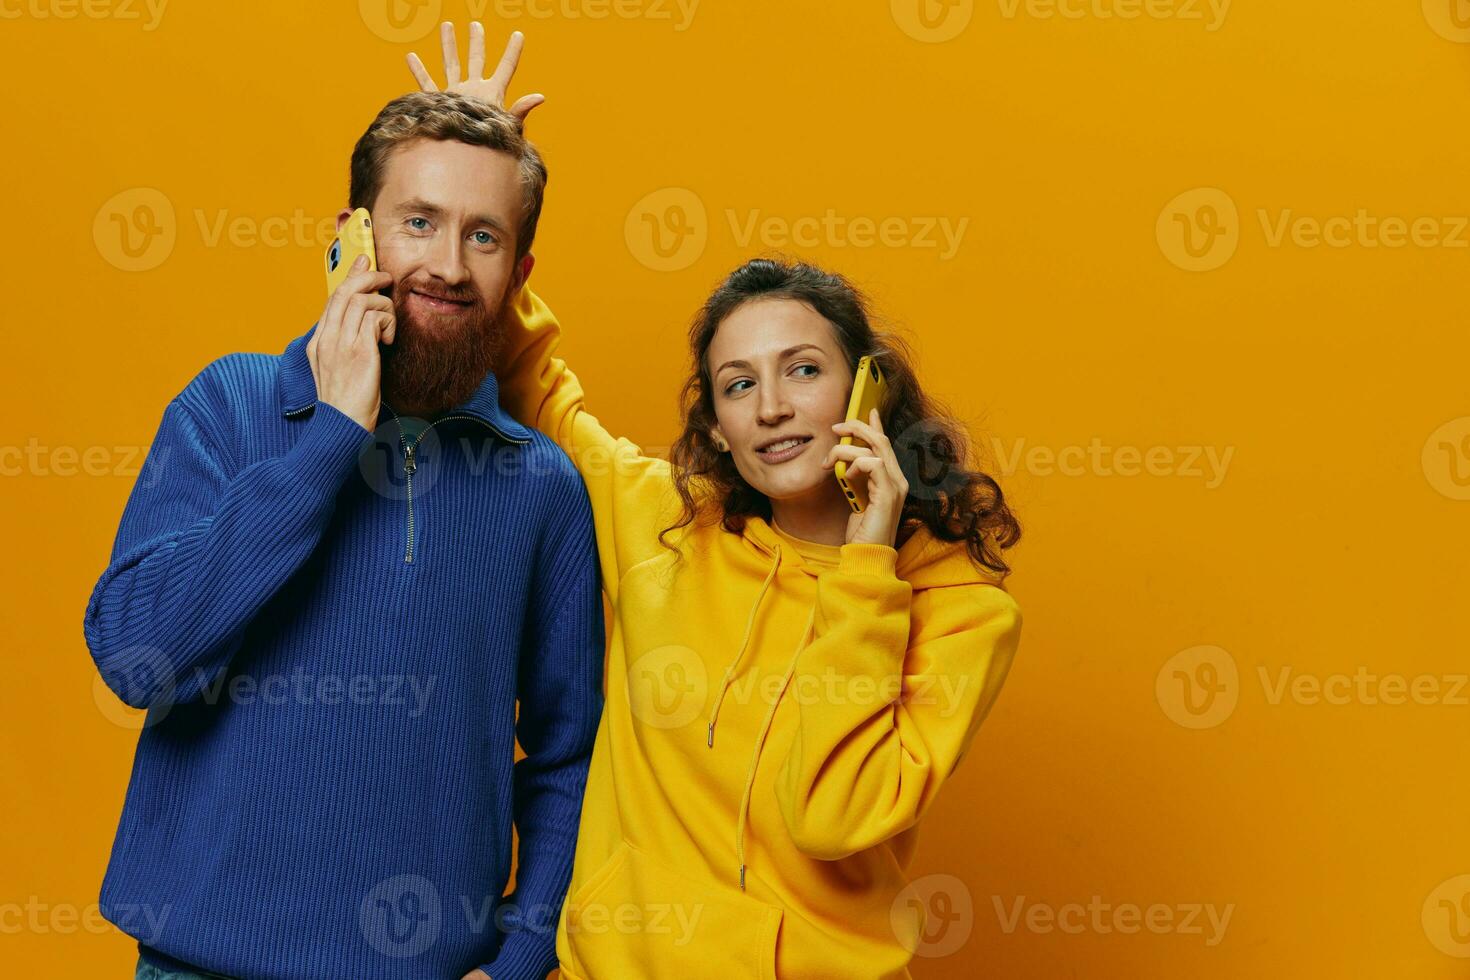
pixel 437 362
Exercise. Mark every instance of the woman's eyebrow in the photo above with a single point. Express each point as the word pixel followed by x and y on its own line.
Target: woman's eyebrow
pixel 780 357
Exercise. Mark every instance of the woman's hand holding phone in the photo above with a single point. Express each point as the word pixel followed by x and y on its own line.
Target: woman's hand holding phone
pixel 492 89
pixel 874 467
pixel 343 352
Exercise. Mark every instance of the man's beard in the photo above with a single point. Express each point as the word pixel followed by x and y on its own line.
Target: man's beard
pixel 433 366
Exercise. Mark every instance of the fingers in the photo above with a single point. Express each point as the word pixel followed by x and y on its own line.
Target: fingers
pixel 476 67
pixel 872 433
pixel 525 104
pixel 421 74
pixel 450 47
pixel 362 318
pixel 848 453
pixel 506 70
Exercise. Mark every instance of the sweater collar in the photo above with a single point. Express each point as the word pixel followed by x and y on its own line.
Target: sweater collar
pixel 298 393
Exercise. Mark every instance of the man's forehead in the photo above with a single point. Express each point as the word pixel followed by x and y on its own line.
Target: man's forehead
pixel 451 177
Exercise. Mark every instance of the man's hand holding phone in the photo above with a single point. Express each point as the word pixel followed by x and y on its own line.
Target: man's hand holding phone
pixel 343 351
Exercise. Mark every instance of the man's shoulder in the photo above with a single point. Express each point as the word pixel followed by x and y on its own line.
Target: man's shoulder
pixel 549 459
pixel 232 382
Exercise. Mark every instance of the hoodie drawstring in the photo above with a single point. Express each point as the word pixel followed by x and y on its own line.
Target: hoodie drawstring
pixel 760 741
pixel 740 655
pixel 765 729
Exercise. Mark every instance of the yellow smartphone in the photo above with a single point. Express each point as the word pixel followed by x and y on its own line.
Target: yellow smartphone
pixel 355 238
pixel 869 391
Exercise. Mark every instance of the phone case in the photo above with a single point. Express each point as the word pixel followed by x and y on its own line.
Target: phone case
pixel 869 388
pixel 355 238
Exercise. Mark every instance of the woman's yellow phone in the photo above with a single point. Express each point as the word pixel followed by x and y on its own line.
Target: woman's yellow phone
pixel 869 391
pixel 355 238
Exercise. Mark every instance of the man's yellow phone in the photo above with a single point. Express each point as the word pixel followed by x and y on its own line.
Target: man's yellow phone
pixel 869 391
pixel 355 238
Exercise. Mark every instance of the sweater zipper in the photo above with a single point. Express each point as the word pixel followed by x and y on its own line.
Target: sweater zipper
pixel 410 462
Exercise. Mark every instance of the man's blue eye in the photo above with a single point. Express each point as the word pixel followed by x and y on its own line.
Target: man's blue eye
pixel 412 220
pixel 485 238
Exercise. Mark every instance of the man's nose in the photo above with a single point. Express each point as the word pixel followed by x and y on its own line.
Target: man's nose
pixel 446 260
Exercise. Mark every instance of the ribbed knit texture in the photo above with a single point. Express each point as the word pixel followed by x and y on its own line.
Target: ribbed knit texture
pixel 325 783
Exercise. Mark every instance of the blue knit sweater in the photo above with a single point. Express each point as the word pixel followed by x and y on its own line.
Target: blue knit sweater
pixel 332 642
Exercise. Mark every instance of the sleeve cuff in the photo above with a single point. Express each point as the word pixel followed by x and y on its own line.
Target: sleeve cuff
pixel 861 558
pixel 522 957
pixel 328 449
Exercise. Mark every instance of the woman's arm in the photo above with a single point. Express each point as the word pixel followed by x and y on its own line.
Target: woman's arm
pixel 632 494
pixel 885 718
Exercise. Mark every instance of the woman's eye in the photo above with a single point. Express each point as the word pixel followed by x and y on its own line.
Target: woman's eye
pixel 732 387
pixel 814 370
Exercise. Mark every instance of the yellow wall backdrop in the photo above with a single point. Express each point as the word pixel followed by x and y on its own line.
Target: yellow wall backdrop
pixel 1194 272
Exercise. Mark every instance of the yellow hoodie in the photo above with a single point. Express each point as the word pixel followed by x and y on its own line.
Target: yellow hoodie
pixel 780 714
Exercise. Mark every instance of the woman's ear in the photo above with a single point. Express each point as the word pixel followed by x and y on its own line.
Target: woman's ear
pixel 719 439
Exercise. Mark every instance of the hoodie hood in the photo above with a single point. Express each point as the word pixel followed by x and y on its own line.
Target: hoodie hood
pixel 925 562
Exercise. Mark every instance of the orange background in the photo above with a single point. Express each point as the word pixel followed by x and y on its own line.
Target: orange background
pixel 1333 545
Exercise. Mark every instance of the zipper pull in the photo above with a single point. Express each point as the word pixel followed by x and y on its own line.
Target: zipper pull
pixel 408 464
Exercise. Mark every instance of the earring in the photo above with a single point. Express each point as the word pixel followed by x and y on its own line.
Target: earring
pixel 721 445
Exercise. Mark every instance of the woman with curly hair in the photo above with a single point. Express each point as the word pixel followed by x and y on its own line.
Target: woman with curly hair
pixel 790 683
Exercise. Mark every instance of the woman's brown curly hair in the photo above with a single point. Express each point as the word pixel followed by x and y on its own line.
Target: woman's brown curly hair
pixel 954 502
